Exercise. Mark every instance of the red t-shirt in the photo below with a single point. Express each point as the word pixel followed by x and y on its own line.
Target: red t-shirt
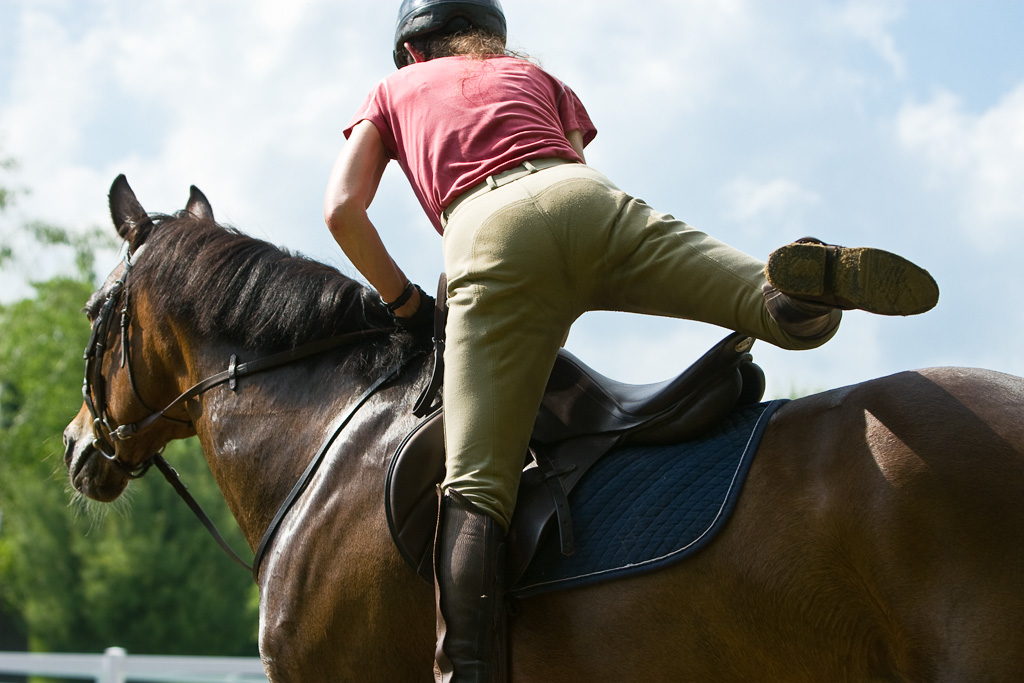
pixel 453 121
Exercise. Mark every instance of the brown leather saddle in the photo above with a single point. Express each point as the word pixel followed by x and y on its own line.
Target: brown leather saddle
pixel 583 415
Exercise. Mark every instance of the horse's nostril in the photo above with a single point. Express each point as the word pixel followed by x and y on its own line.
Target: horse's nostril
pixel 69 448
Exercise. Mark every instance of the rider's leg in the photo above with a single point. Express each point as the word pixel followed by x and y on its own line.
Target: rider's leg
pixel 629 257
pixel 509 311
pixel 801 319
pixel 648 262
pixel 469 562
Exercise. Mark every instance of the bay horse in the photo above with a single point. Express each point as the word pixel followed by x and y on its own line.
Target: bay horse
pixel 879 537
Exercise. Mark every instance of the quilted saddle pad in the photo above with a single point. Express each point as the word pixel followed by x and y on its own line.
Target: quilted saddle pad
pixel 642 508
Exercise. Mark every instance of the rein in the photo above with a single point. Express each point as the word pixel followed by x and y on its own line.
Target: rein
pixel 236 371
pixel 105 434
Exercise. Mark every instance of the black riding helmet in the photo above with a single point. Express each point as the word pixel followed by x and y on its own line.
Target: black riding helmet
pixel 419 17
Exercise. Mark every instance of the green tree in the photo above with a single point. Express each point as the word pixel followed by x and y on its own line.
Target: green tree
pixel 83 576
pixel 6 195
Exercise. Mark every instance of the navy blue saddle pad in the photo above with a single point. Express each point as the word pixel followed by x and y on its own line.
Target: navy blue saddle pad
pixel 642 508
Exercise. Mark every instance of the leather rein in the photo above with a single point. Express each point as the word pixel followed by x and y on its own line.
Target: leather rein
pixel 106 434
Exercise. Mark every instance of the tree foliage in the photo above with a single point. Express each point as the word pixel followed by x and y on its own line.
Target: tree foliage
pixel 82 576
pixel 6 252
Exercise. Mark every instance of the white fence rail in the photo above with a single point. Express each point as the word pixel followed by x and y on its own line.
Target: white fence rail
pixel 116 666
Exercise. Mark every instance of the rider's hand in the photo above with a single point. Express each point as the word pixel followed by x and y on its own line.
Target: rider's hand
pixel 417 312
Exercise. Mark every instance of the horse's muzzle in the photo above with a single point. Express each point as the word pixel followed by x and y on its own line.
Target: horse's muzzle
pixel 93 477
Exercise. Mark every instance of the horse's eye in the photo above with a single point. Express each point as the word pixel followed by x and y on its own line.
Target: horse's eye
pixel 92 306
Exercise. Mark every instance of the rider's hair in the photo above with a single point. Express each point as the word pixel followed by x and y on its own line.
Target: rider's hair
pixel 473 42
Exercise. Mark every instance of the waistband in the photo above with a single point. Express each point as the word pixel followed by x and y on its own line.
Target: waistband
pixel 493 182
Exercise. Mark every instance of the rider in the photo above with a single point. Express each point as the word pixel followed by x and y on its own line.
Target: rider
pixel 532 238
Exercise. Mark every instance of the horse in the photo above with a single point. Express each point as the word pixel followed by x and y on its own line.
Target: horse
pixel 879 536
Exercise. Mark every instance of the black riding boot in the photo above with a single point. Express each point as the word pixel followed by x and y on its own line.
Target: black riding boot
pixel 798 318
pixel 469 562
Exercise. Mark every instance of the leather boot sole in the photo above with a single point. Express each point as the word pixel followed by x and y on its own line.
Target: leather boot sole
pixel 852 277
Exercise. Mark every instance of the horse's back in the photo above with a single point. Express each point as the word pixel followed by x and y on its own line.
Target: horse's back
pixel 879 537
pixel 903 502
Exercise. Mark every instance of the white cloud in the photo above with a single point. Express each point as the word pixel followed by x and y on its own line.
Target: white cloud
pixel 869 21
pixel 246 104
pixel 739 116
pixel 773 200
pixel 977 158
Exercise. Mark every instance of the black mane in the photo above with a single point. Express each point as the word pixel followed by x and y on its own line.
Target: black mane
pixel 230 286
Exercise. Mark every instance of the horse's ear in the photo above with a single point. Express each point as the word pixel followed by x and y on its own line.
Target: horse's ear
pixel 198 205
pixel 130 219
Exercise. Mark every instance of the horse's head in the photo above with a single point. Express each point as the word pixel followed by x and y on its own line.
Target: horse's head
pixel 126 368
pixel 189 296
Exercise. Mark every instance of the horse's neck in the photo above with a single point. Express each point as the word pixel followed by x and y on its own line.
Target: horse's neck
pixel 259 438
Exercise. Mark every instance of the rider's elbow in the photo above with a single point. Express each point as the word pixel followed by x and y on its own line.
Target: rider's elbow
pixel 339 212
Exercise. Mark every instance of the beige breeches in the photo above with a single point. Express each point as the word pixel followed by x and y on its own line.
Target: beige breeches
pixel 526 259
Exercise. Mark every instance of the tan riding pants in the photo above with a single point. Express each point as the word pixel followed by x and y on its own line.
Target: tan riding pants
pixel 524 260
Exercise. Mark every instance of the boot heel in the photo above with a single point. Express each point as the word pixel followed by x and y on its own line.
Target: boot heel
pixel 799 269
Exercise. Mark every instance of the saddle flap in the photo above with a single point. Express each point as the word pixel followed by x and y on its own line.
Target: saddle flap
pixel 411 492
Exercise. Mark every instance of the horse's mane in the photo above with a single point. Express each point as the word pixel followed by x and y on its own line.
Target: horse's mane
pixel 227 285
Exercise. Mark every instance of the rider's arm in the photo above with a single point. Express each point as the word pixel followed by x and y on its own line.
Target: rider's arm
pixel 352 186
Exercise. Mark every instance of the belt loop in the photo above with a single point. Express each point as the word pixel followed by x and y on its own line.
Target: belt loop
pixel 492 183
pixel 530 167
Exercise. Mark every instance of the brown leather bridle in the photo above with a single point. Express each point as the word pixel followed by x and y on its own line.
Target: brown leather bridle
pixel 94 386
pixel 106 434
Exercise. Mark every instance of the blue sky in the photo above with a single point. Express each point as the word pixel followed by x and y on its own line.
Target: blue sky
pixel 892 123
